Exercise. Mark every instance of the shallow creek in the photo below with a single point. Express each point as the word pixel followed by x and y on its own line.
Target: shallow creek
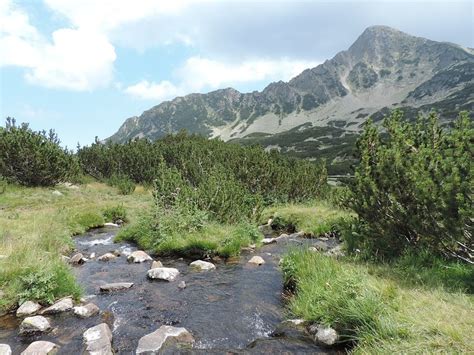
pixel 233 309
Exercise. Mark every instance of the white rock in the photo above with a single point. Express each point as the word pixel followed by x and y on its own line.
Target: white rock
pixel 163 273
pixel 5 349
pixel 116 286
pixel 106 257
pixel 138 256
pixel 86 311
pixel 257 260
pixel 266 241
pixel 35 324
pixel 98 340
pixel 41 348
pixel 153 342
pixel 156 264
pixel 202 265
pixel 62 305
pixel 92 256
pixel 108 224
pixel 325 336
pixel 182 285
pixel 57 193
pixel 28 308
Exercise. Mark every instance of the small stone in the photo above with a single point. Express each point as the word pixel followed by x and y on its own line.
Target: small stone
pixel 266 241
pixel 155 264
pixel 41 348
pixel 182 285
pixel 108 224
pixel 92 256
pixel 27 309
pixel 62 305
pixel 57 193
pixel 337 251
pixel 106 257
pixel 116 286
pixel 5 349
pixel 202 265
pixel 257 260
pixel 117 252
pixel 35 324
pixel 98 340
pixel 77 259
pixel 86 311
pixel 325 336
pixel 319 246
pixel 153 342
pixel 163 273
pixel 138 256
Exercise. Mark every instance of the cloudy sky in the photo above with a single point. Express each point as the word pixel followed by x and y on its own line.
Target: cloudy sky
pixel 83 66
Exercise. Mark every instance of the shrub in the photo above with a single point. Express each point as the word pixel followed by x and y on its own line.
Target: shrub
pixel 412 189
pixel 33 158
pixel 115 213
pixel 123 183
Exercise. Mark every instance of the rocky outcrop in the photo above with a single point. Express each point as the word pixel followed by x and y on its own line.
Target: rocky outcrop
pixel 138 256
pixel 62 305
pixel 41 348
pixel 154 342
pixel 28 308
pixel 98 340
pixel 202 265
pixel 163 273
pixel 116 286
pixel 5 349
pixel 256 260
pixel 86 311
pixel 34 325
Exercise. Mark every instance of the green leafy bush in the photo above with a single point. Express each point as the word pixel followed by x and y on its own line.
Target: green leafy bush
pixel 413 187
pixel 33 158
pixel 115 213
pixel 123 183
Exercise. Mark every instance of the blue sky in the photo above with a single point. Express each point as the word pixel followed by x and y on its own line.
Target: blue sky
pixel 83 66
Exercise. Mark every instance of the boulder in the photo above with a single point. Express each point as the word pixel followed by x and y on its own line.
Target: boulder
pixel 138 256
pixel 41 348
pixel 116 286
pixel 34 325
pixel 27 309
pixel 77 259
pixel 62 305
pixel 106 257
pixel 202 265
pixel 5 349
pixel 155 264
pixel 182 285
pixel 325 336
pixel 86 311
pixel 257 260
pixel 153 342
pixel 163 273
pixel 98 340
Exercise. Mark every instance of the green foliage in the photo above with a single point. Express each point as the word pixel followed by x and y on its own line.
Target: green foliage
pixel 413 187
pixel 123 183
pixel 115 213
pixel 3 184
pixel 33 158
pixel 81 221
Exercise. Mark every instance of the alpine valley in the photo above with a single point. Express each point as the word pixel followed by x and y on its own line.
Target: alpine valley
pixel 320 112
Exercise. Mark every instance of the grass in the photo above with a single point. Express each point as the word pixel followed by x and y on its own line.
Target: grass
pixel 36 228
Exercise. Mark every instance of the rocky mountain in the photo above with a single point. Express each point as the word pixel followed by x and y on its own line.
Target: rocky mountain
pixel 320 111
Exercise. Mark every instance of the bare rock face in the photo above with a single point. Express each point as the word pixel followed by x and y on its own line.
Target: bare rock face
pixel 202 265
pixel 5 349
pixel 116 286
pixel 41 348
pixel 257 260
pixel 27 309
pixel 107 257
pixel 34 325
pixel 153 342
pixel 138 256
pixel 98 340
pixel 86 311
pixel 63 305
pixel 163 273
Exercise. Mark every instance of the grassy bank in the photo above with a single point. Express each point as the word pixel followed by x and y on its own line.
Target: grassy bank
pixel 36 226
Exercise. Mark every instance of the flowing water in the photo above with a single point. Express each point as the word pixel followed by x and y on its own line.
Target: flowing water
pixel 233 309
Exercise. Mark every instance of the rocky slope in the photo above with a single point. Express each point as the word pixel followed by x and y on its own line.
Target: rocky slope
pixel 383 69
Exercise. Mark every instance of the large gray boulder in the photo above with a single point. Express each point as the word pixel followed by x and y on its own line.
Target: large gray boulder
pixel 202 265
pixel 34 325
pixel 28 308
pixel 86 311
pixel 98 340
pixel 163 273
pixel 41 348
pixel 116 286
pixel 138 256
pixel 63 305
pixel 5 349
pixel 153 342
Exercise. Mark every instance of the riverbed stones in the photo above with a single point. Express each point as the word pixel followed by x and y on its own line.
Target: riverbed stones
pixel 202 265
pixel 41 348
pixel 266 241
pixel 28 308
pixel 106 257
pixel 182 285
pixel 325 336
pixel 138 256
pixel 34 325
pixel 319 246
pixel 63 305
pixel 77 259
pixel 155 264
pixel 256 260
pixel 163 273
pixel 86 311
pixel 98 340
pixel 153 342
pixel 115 286
pixel 5 349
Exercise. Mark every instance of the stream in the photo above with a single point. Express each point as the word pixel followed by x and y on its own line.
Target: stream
pixel 233 309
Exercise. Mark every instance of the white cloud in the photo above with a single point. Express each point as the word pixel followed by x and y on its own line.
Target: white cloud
pixel 201 74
